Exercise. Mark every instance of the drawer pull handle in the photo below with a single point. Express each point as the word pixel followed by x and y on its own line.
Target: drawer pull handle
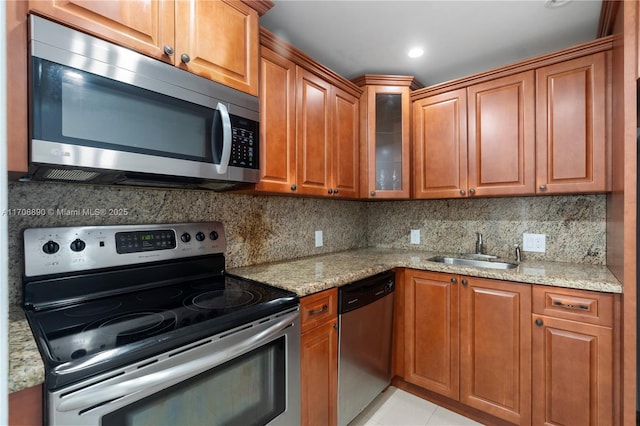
pixel 539 322
pixel 570 305
pixel 319 311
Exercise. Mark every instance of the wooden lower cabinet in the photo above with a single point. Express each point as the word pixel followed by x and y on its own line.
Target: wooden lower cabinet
pixel 25 407
pixel 469 339
pixel 319 359
pixel 432 332
pixel 495 348
pixel 572 358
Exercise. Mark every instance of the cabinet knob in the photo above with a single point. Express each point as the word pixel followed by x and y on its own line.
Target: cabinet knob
pixel 294 187
pixel 185 58
pixel 539 322
pixel 543 187
pixel 330 191
pixel 454 280
pixel 373 193
pixel 168 50
pixel 462 192
pixel 472 191
pixel 335 191
pixel 464 282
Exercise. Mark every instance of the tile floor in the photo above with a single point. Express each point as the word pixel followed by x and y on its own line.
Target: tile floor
pixel 396 407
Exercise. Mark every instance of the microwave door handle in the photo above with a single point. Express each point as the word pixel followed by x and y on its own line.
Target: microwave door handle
pixel 226 139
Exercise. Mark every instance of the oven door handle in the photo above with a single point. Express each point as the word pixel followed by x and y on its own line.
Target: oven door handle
pixel 88 397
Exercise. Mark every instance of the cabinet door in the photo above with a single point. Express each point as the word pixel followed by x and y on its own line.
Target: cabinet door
pixel 277 123
pixel 313 133
pixel 319 375
pixel 345 146
pixel 144 26
pixel 25 407
pixel 502 136
pixel 572 373
pixel 440 145
pixel 431 332
pixel 571 137
pixel 495 342
pixel 386 142
pixel 221 40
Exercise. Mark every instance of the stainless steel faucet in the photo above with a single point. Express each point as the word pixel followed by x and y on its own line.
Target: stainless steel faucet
pixel 479 243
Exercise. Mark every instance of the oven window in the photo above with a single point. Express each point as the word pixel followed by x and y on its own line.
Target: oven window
pixel 248 390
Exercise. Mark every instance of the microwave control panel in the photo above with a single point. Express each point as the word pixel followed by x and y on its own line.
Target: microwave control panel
pixel 244 143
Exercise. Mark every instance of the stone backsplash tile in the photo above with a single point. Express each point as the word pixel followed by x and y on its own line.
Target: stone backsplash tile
pixel 268 228
pixel 575 226
pixel 259 228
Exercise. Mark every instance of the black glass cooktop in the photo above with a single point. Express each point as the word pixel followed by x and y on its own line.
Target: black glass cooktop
pixel 215 304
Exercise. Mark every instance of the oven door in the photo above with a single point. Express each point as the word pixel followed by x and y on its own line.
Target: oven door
pixel 249 375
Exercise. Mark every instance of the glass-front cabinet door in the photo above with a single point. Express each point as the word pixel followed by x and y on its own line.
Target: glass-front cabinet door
pixel 385 135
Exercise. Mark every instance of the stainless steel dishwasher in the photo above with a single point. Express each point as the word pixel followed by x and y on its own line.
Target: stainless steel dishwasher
pixel 364 351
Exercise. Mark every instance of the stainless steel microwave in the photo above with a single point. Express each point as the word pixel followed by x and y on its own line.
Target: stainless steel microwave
pixel 103 114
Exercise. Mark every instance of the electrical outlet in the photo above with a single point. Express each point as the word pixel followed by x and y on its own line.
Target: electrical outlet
pixel 534 242
pixel 318 238
pixel 415 236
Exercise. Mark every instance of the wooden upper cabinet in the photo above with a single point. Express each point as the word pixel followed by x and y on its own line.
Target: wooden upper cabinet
pixel 220 41
pixel 385 135
pixel 313 115
pixel 144 26
pixel 501 145
pixel 571 132
pixel 345 148
pixel 495 348
pixel 440 145
pixel 327 138
pixel 277 123
pixel 215 39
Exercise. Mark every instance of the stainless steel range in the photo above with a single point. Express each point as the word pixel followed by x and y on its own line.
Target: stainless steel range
pixel 140 325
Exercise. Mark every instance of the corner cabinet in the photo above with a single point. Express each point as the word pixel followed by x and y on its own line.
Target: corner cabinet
pixel 309 125
pixel 385 135
pixel 215 39
pixel 571 126
pixel 469 339
pixel 319 358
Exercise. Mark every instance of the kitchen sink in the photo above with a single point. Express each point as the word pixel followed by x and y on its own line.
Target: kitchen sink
pixel 473 262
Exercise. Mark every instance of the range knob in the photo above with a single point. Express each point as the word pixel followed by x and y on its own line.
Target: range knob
pixel 186 237
pixel 200 236
pixel 213 235
pixel 50 247
pixel 78 245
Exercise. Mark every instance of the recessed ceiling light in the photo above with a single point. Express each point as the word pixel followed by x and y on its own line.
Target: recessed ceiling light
pixel 415 52
pixel 552 4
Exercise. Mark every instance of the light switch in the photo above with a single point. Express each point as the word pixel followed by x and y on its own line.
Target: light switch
pixel 318 238
pixel 534 243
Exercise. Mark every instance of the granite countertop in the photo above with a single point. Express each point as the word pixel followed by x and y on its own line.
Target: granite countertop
pixel 25 364
pixel 313 274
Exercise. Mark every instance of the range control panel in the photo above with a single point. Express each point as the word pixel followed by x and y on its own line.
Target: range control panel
pixel 60 250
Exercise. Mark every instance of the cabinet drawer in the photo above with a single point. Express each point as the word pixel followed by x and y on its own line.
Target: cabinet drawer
pixel 577 305
pixel 318 308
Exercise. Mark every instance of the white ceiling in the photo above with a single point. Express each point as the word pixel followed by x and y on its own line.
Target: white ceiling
pixel 354 37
